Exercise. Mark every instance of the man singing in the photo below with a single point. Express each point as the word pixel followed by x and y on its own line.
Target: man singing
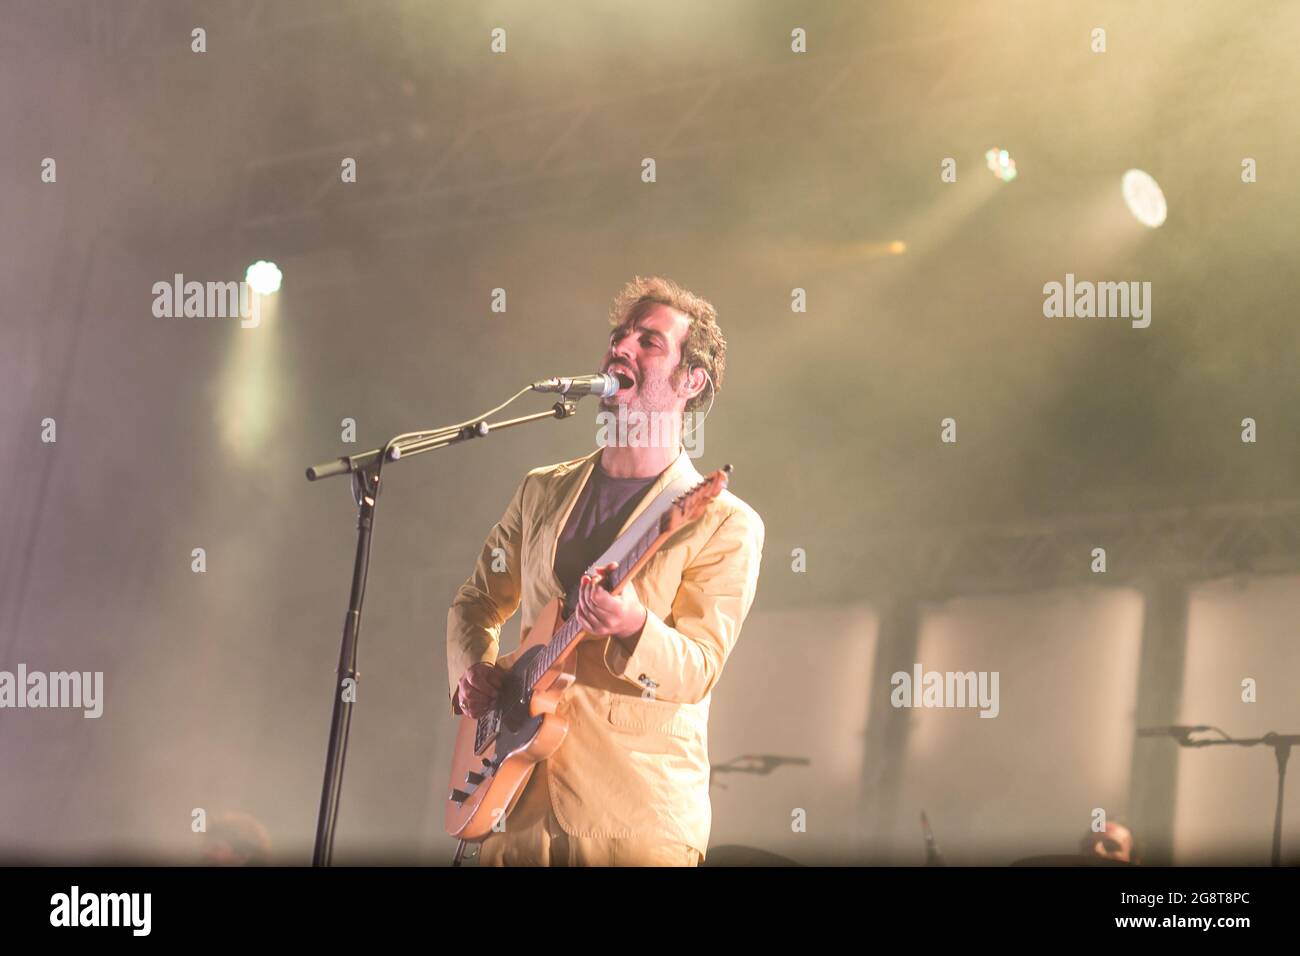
pixel 630 784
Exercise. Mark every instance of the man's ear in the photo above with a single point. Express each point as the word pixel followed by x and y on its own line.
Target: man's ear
pixel 696 379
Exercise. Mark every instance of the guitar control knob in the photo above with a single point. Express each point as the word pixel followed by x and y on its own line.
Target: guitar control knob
pixel 474 778
pixel 458 797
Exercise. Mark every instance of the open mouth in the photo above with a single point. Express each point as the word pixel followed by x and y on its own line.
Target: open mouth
pixel 625 379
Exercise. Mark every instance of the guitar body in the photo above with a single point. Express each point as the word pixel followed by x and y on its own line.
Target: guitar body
pixel 492 775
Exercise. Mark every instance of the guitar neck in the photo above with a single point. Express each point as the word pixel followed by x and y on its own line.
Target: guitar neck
pixel 634 555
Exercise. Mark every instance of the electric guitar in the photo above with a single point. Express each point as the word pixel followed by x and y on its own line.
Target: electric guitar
pixel 495 754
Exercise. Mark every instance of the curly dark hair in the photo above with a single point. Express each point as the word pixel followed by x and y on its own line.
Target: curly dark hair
pixel 704 345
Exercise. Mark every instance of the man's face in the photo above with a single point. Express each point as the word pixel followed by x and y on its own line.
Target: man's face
pixel 648 353
pixel 1115 844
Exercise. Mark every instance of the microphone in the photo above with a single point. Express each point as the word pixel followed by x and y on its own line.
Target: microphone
pixel 603 384
pixel 1177 730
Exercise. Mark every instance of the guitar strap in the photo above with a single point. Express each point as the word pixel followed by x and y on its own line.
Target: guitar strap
pixel 684 482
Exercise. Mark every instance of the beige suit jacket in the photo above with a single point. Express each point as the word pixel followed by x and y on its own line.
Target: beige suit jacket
pixel 635 763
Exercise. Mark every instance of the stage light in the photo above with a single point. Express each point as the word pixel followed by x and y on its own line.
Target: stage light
pixel 1144 198
pixel 1001 164
pixel 263 277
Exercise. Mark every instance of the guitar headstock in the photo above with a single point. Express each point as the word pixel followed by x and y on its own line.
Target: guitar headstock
pixel 690 505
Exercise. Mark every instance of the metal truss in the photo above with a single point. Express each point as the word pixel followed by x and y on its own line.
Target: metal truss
pixel 1184 544
pixel 533 160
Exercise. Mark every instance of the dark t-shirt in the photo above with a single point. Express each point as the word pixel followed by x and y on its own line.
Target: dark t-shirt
pixel 599 513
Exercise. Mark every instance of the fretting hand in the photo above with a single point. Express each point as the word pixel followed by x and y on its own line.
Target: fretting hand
pixel 602 614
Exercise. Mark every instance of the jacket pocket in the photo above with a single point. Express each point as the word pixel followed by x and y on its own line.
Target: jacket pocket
pixel 649 716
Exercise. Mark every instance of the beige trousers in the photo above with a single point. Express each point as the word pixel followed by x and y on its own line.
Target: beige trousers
pixel 532 836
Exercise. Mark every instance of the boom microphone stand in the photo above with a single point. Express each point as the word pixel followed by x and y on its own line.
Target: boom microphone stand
pixel 364 469
pixel 1281 744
